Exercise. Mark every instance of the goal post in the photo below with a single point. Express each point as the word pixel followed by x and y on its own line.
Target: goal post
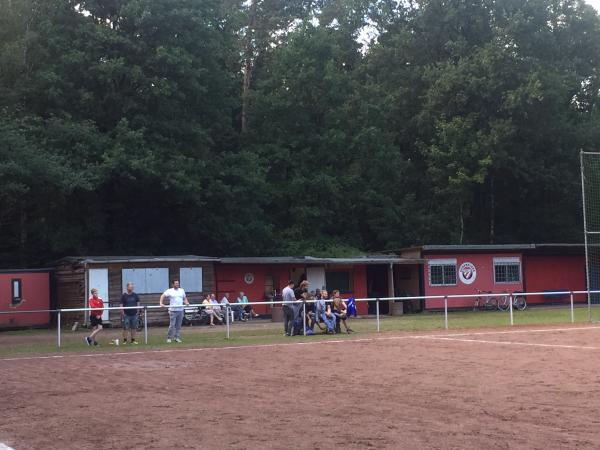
pixel 590 191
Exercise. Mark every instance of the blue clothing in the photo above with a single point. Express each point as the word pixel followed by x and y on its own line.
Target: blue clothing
pixel 329 321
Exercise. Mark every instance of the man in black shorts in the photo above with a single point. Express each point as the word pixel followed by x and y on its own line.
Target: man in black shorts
pixel 129 316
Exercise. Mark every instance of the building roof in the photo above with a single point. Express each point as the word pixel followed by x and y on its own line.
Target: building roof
pixel 527 248
pixel 136 259
pixel 310 260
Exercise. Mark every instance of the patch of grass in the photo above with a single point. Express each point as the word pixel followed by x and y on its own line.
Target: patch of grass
pixel 30 342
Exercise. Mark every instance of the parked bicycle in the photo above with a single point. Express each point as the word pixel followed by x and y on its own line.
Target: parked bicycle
pixel 486 303
pixel 519 302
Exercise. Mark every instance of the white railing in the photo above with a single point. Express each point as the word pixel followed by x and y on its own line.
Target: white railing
pixel 377 300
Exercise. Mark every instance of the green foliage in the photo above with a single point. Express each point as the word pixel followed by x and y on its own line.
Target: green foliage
pixel 461 122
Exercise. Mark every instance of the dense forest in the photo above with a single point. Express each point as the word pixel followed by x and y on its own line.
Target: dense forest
pixel 269 127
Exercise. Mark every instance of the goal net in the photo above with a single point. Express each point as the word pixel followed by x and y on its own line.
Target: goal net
pixel 590 186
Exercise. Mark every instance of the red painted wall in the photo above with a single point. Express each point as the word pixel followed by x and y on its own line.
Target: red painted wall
pixel 484 264
pixel 558 273
pixel 230 278
pixel 35 294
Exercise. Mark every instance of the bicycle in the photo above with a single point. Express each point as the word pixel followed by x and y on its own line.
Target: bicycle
pixel 519 302
pixel 487 303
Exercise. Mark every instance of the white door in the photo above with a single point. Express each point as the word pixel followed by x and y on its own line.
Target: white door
pixel 316 277
pixel 98 278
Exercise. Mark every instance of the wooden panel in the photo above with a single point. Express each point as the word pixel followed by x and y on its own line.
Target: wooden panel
pixel 70 288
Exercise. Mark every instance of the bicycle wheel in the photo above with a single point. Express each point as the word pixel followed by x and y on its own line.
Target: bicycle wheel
pixel 520 303
pixel 491 303
pixel 503 303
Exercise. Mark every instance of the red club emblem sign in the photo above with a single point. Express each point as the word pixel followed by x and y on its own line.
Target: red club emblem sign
pixel 467 273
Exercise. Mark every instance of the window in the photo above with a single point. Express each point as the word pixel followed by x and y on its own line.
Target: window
pixel 442 272
pixel 507 270
pixel 190 279
pixel 146 281
pixel 339 281
pixel 16 290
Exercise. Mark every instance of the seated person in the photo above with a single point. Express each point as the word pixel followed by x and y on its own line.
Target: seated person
pixel 340 309
pixel 237 309
pixel 216 307
pixel 210 312
pixel 248 309
pixel 324 312
pixel 311 318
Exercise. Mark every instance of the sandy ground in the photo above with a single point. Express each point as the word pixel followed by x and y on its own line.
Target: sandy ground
pixel 473 389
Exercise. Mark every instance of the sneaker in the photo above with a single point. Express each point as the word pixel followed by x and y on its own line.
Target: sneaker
pixel 96 343
pixel 134 342
pixel 179 341
pixel 88 341
pixel 169 341
pixel 124 341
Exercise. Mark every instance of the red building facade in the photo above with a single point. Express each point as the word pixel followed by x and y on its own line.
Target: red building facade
pixel 24 290
pixel 361 277
pixel 499 269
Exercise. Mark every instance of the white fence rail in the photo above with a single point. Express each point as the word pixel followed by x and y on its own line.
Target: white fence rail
pixel 447 298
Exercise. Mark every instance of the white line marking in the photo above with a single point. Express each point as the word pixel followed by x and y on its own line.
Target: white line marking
pixel 539 330
pixel 5 447
pixel 528 344
pixel 286 344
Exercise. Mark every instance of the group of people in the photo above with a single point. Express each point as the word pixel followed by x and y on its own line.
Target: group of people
pixel 215 310
pixel 327 314
pixel 177 300
pixel 129 315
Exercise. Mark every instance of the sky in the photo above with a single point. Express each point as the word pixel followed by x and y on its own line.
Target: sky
pixel 594 3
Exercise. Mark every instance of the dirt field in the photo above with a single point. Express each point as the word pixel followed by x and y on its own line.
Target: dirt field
pixel 476 389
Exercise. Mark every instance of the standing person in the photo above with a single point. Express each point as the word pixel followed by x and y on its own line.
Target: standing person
pixel 288 308
pixel 129 316
pixel 97 305
pixel 177 299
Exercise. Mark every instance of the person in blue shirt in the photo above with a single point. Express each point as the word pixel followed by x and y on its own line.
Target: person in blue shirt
pixel 247 308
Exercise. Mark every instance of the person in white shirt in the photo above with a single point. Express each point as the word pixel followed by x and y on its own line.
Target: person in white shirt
pixel 177 299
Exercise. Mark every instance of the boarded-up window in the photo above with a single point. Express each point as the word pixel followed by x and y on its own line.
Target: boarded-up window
pixel 147 281
pixel 190 279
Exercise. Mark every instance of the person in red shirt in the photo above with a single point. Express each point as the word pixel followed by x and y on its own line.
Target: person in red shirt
pixel 97 305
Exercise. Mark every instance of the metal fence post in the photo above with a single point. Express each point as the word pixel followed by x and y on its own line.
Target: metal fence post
pixel 227 319
pixel 145 325
pixel 446 312
pixel 304 316
pixel 572 312
pixel 58 326
pixel 377 310
pixel 589 305
pixel 510 307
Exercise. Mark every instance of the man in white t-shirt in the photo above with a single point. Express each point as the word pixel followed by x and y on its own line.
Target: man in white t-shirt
pixel 177 299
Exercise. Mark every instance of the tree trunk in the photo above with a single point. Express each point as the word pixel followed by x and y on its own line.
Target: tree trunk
pixel 248 63
pixel 23 236
pixel 492 211
pixel 462 223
